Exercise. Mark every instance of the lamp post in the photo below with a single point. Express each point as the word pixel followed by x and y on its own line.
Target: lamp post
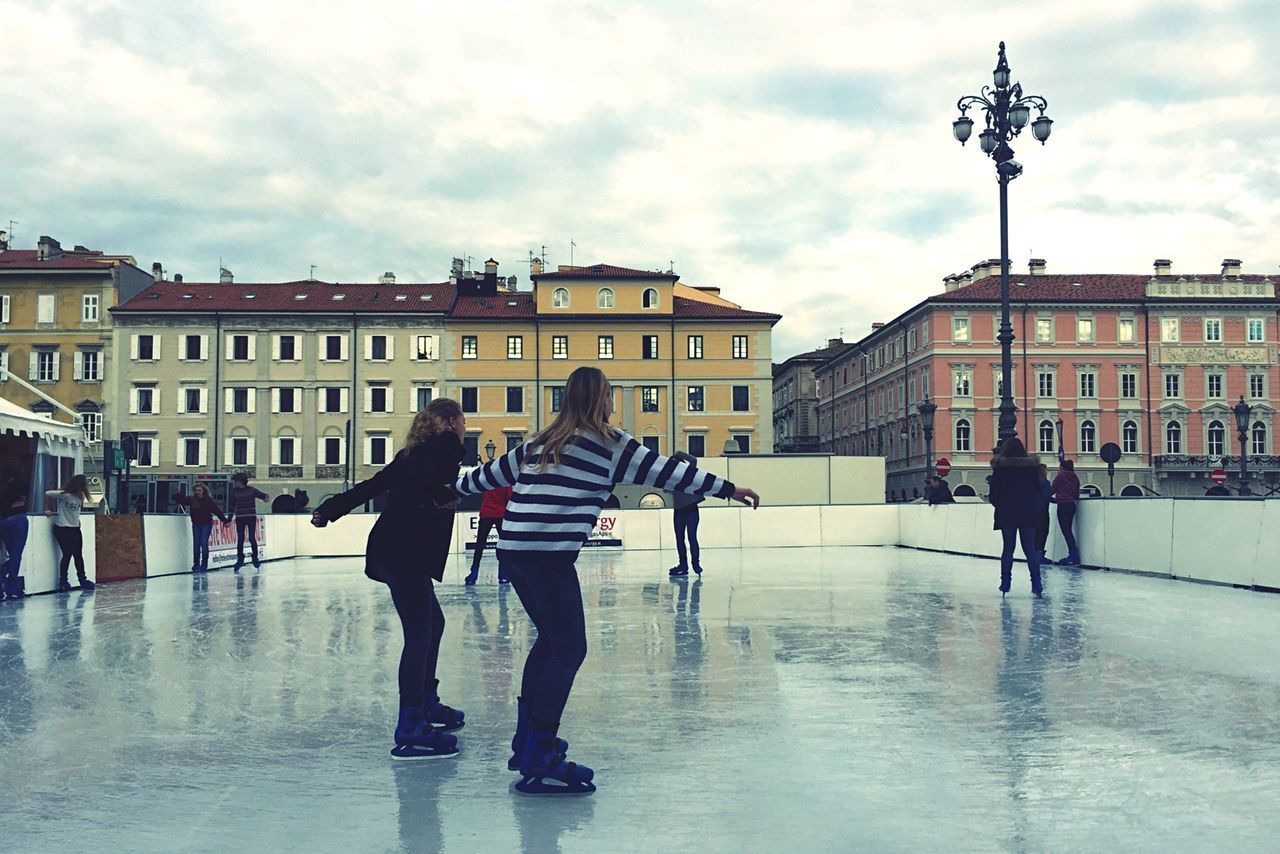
pixel 490 449
pixel 927 410
pixel 1242 411
pixel 1007 111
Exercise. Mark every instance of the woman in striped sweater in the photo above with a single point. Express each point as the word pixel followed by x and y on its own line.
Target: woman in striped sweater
pixel 561 479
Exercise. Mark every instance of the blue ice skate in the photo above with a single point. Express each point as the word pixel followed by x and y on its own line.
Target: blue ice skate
pixel 417 739
pixel 545 771
pixel 442 717
pixel 522 734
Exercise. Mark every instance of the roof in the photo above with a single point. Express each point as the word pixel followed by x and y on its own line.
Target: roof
pixel 691 309
pixel 292 297
pixel 1106 287
pixel 605 271
pixel 29 259
pixel 497 306
pixel 822 354
pixel 22 422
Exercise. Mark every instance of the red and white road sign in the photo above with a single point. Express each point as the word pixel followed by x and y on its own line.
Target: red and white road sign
pixel 944 467
pixel 1218 476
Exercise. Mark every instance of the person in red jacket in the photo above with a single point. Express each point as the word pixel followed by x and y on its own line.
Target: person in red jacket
pixel 492 508
pixel 203 508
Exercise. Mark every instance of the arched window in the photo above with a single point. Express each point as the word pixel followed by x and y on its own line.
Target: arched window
pixel 1217 439
pixel 560 298
pixel 1131 491
pixel 1045 445
pixel 1258 438
pixel 1090 490
pixel 964 490
pixel 1088 438
pixel 1129 440
pixel 650 299
pixel 962 435
pixel 1173 438
pixel 604 299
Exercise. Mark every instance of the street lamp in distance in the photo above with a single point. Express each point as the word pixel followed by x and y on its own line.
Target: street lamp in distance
pixel 927 409
pixel 1242 411
pixel 490 449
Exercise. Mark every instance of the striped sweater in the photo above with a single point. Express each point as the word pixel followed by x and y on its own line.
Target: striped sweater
pixel 552 512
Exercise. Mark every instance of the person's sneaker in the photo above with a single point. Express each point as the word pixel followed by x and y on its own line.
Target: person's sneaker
pixel 471 577
pixel 86 584
pixel 257 564
pixel 677 571
pixel 64 587
pixel 502 579
pixel 697 569
pixel 236 568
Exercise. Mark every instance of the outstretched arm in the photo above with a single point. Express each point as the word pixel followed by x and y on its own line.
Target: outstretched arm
pixel 645 467
pixel 343 503
pixel 500 472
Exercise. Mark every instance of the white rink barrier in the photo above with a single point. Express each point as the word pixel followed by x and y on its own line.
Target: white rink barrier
pixel 39 567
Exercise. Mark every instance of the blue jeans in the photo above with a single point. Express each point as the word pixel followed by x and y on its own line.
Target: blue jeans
pixel 1028 538
pixel 246 525
pixel 200 535
pixel 687 524
pixel 551 595
pixel 13 533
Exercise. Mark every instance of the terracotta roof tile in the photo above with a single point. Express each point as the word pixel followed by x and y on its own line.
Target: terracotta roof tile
pixel 605 271
pixel 684 308
pixel 500 306
pixel 28 259
pixel 1059 287
pixel 292 297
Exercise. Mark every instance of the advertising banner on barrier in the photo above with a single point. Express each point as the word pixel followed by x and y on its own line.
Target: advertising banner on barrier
pixel 606 534
pixel 222 545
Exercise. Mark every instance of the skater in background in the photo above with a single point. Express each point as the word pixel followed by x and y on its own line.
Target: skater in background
pixel 1066 494
pixel 685 519
pixel 244 506
pixel 202 508
pixel 1015 496
pixel 493 506
pixel 408 547
pixel 562 478
pixel 1042 520
pixel 939 492
pixel 13 529
pixel 64 505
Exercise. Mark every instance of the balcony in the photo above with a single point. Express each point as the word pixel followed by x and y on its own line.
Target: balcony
pixel 1184 462
pixel 282 471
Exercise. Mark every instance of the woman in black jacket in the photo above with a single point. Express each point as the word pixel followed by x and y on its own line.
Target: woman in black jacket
pixel 1015 495
pixel 408 547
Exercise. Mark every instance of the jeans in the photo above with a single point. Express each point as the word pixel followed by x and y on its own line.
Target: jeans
pixel 550 594
pixel 13 533
pixel 246 525
pixel 200 535
pixel 686 522
pixel 1028 537
pixel 1042 531
pixel 482 537
pixel 422 623
pixel 1066 521
pixel 71 541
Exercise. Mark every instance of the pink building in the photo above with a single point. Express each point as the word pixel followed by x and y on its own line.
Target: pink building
pixel 1152 363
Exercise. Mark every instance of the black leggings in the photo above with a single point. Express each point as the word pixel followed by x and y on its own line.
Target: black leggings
pixel 423 625
pixel 482 537
pixel 71 542
pixel 1066 521
pixel 553 599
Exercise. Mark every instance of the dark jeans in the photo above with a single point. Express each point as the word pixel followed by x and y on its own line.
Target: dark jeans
pixel 1028 538
pixel 423 624
pixel 550 594
pixel 13 533
pixel 1042 531
pixel 200 535
pixel 482 537
pixel 1066 521
pixel 246 525
pixel 72 544
pixel 687 523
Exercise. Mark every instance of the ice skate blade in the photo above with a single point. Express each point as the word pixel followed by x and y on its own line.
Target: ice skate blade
pixel 408 753
pixel 538 789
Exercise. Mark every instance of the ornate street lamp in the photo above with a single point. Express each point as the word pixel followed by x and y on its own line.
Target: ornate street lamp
pixel 1007 111
pixel 927 410
pixel 490 449
pixel 1242 411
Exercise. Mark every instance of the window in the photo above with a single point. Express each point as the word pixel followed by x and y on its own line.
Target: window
pixel 191 400
pixel 515 346
pixel 376 349
pixel 191 451
pixel 1170 330
pixel 963 435
pixel 739 346
pixel 1045 437
pixel 1125 330
pixel 695 398
pixel 560 298
pixel 240 401
pixel 333 399
pixel 4 308
pixel 649 398
pixel 1257 437
pixel 191 349
pixel 924 334
pixel 145 399
pixel 89 308
pixel 92 424
pixel 911 340
pixel 240 348
pixel 335 348
pixel 557 398
pixel 1045 383
pixel 1088 385
pixel 697 445
pixel 605 347
pixel 515 398
pixel 514 440
pixel 424 348
pixel 1217 437
pixel 239 451
pixel 559 346
pixel 652 443
pixel 1044 329
pixel 45 305
pixel 1173 438
pixel 144 348
pixel 471 450
pixel 744 442
pixel 287 348
pixel 1257 385
pixel 423 395
pixel 332 451
pixel 1084 328
pixel 1129 438
pixel 287 400
pixel 604 298
pixel 1212 330
pixel 286 450
pixel 1129 385
pixel 470 396
pixel 695 346
pixel 741 398
pixel 959 330
pixel 964 386
pixel 1255 330
pixel 145 452
pixel 90 366
pixel 650 298
pixel 378 446
pixel 1172 385
pixel 379 399
pixel 649 346
pixel 470 347
pixel 1213 385
pixel 1088 438
pixel 924 385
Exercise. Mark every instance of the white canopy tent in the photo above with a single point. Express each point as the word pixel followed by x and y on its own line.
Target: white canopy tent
pixel 17 421
pixel 50 451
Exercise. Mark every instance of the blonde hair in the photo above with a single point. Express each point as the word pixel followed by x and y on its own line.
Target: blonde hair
pixel 586 394
pixel 431 421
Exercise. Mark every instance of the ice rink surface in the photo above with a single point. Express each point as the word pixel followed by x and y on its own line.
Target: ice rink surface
pixel 834 699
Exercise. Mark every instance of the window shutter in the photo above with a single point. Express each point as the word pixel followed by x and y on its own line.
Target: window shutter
pixel 391 347
pixel 275 347
pixel 344 401
pixel 133 347
pixel 182 454
pixel 155 347
pixel 57 365
pixel 229 399
pixel 204 347
pixel 368 450
pixel 204 452
pixel 344 350
pixel 228 450
pixel 390 448
pixel 275 451
pixel 250 451
pixel 33 362
pixel 297 399
pixel 182 402
pixel 390 398
pixel 204 401
pixel 133 401
pixel 368 347
pixel 4 364
pixel 320 396
pixel 231 347
pixel 77 365
pixel 275 400
pixel 320 461
pixel 155 400
pixel 368 398
pixel 253 400
pixel 253 347
pixel 4 308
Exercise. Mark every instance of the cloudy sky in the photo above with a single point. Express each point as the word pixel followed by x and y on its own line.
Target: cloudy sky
pixel 798 154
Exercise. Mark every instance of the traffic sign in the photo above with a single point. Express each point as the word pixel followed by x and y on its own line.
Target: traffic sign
pixel 1110 453
pixel 117 458
pixel 1218 476
pixel 944 467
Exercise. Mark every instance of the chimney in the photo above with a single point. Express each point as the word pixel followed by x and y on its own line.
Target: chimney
pixel 47 248
pixel 224 276
pixel 535 267
pixel 964 280
pixel 4 241
pixel 491 276
pixel 177 278
pixel 1164 267
pixel 1036 266
pixel 834 342
pixel 877 326
pixel 950 283
pixel 387 278
pixel 157 272
pixel 512 284
pixel 1230 267
pixel 455 271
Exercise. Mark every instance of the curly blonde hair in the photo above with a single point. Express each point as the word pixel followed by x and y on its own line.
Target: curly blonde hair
pixel 432 421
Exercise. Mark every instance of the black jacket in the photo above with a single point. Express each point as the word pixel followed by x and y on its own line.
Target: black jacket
pixel 941 494
pixel 1015 491
pixel 412 535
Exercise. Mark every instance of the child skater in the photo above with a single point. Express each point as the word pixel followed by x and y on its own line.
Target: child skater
pixel 562 478
pixel 493 506
pixel 408 547
pixel 685 519
pixel 244 505
pixel 203 509
pixel 64 505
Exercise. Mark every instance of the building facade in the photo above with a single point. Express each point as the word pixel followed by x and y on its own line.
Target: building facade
pixel 1151 363
pixel 795 400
